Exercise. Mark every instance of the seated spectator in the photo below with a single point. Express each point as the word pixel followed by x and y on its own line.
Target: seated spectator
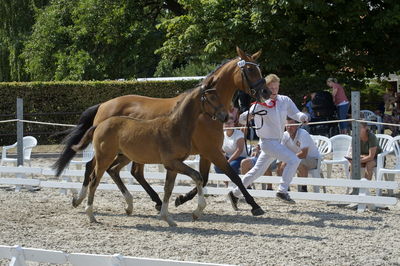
pixel 234 115
pixel 233 146
pixel 249 162
pixel 300 142
pixel 369 150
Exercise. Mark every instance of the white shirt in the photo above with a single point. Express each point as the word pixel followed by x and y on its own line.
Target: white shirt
pixel 272 125
pixel 230 143
pixel 301 140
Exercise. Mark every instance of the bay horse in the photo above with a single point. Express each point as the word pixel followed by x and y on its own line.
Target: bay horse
pixel 163 140
pixel 241 73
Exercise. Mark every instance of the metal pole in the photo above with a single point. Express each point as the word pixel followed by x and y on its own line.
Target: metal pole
pixel 355 133
pixel 20 131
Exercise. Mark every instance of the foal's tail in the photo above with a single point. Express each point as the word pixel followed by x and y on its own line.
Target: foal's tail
pixel 74 137
pixel 85 141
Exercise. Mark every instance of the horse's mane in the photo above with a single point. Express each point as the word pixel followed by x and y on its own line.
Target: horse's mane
pixel 224 62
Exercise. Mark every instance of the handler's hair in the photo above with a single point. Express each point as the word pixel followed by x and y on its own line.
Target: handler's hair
pixel 364 125
pixel 332 80
pixel 271 78
pixel 291 119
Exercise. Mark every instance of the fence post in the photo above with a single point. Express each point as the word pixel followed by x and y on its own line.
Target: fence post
pixel 20 138
pixel 355 133
pixel 20 132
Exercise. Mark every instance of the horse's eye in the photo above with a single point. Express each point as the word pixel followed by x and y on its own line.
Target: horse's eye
pixel 213 97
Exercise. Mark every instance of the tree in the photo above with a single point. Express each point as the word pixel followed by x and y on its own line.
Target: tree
pixel 16 20
pixel 95 39
pixel 308 38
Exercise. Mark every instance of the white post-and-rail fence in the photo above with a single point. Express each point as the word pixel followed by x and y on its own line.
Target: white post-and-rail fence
pixel 18 256
pixel 364 198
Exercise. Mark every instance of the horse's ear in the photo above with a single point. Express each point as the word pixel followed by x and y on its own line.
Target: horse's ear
pixel 240 53
pixel 256 55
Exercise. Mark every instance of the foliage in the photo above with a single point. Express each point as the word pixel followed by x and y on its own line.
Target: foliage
pixel 93 39
pixel 349 40
pixel 16 20
pixel 303 41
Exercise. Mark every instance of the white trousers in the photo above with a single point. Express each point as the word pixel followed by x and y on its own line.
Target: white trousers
pixel 272 149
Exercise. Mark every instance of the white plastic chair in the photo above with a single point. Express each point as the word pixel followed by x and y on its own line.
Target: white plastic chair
pixel 371 116
pixel 384 141
pixel 87 155
pixel 324 146
pixel 381 169
pixel 29 143
pixel 340 146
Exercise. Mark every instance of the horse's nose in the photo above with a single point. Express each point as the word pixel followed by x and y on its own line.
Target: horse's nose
pixel 224 117
pixel 265 93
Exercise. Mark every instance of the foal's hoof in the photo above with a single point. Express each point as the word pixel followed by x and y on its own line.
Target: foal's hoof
pixel 74 202
pixel 179 201
pixel 257 212
pixel 128 211
pixel 158 207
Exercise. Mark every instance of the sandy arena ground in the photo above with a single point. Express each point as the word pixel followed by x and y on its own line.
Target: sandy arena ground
pixel 308 233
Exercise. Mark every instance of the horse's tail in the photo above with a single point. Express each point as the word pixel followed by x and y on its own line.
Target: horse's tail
pixel 76 134
pixel 85 141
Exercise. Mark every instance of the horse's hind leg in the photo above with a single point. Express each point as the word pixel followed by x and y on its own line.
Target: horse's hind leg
pixel 204 171
pixel 94 182
pixel 169 185
pixel 114 170
pixel 182 168
pixel 77 199
pixel 137 172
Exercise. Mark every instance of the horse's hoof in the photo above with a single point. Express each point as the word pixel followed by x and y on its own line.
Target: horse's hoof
pixel 178 200
pixel 257 212
pixel 195 217
pixel 172 224
pixel 128 211
pixel 74 202
pixel 93 221
pixel 158 207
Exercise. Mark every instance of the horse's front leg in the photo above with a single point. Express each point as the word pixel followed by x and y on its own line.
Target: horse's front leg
pixel 169 185
pixel 77 199
pixel 220 161
pixel 182 168
pixel 204 167
pixel 120 162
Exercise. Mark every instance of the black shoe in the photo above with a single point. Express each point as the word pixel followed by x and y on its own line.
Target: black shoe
pixel 285 197
pixel 234 201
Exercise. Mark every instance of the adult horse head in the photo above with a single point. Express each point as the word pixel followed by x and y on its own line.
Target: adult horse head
pixel 241 73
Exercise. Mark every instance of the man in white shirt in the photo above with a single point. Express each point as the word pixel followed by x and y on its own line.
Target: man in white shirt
pixel 270 118
pixel 300 142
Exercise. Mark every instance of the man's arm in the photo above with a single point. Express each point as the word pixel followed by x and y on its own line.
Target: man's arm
pixel 303 153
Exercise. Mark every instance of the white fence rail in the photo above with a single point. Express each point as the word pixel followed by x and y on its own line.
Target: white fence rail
pixel 18 256
pixel 364 198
